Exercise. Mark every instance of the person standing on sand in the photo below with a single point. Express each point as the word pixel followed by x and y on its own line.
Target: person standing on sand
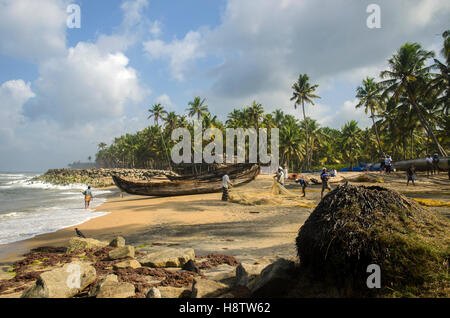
pixel 226 184
pixel 324 177
pixel 388 164
pixel 429 162
pixel 436 163
pixel 410 172
pixel 87 197
pixel 382 162
pixel 280 176
pixel 303 183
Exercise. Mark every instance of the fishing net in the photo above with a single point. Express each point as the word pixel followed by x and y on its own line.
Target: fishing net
pixel 276 194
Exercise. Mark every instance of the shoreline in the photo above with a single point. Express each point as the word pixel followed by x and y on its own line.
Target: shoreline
pixel 202 222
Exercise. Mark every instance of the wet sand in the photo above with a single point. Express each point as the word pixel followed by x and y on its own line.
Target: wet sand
pixel 209 225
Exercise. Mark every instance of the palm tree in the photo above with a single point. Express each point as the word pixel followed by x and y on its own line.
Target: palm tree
pixel 304 92
pixel 256 112
pixel 171 120
pixel 351 141
pixel 409 76
pixel 101 146
pixel 370 97
pixel 157 111
pixel 197 108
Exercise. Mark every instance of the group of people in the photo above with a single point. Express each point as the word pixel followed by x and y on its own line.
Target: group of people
pixel 432 164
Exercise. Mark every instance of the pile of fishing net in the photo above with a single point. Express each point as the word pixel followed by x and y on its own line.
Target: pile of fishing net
pixel 356 226
pixel 276 195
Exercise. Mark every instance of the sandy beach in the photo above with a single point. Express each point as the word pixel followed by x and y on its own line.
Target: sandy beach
pixel 208 225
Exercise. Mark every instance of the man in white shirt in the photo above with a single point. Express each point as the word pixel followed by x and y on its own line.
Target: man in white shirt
pixel 280 176
pixel 226 183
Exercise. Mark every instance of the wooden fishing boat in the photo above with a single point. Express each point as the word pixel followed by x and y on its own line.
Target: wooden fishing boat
pixel 183 187
pixel 231 170
pixel 421 164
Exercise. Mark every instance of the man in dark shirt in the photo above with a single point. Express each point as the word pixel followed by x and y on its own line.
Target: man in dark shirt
pixel 324 176
pixel 410 172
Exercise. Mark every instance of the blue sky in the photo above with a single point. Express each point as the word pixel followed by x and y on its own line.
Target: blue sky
pixel 62 91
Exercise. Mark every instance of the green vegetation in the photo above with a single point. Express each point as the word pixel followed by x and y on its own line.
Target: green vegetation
pixel 408 109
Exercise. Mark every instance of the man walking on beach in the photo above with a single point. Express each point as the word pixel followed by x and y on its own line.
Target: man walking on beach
pixel 429 162
pixel 226 184
pixel 303 184
pixel 324 177
pixel 87 197
pixel 435 163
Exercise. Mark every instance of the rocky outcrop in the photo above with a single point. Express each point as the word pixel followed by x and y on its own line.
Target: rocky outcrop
pixel 96 177
pixel 62 282
pixel 241 276
pixel 220 272
pixel 122 252
pixel 165 256
pixel 175 292
pixel 78 244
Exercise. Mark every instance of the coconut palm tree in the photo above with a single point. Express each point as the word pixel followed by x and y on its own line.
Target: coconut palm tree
pixel 304 93
pixel 197 107
pixel 351 141
pixel 370 97
pixel 157 111
pixel 408 75
pixel 256 112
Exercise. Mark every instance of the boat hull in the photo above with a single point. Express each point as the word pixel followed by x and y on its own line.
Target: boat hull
pixel 183 187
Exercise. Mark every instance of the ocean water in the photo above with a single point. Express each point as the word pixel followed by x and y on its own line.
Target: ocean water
pixel 30 208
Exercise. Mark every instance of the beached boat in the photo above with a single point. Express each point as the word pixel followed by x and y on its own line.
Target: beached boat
pixel 231 170
pixel 421 164
pixel 183 187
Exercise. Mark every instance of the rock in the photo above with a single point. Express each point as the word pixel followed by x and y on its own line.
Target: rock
pixel 78 243
pixel 274 280
pixel 190 266
pixel 127 264
pixel 241 276
pixel 62 282
pixel 122 252
pixel 166 256
pixel 111 278
pixel 116 290
pixel 221 272
pixel 175 292
pixel 154 293
pixel 205 288
pixel 117 242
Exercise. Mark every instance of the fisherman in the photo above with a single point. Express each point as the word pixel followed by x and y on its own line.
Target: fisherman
pixel 410 172
pixel 436 163
pixel 87 197
pixel 333 173
pixel 226 184
pixel 280 176
pixel 388 164
pixel 303 184
pixel 429 162
pixel 324 177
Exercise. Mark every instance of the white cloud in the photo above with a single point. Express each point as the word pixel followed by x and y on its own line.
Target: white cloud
pixel 178 52
pixel 85 85
pixel 31 29
pixel 164 100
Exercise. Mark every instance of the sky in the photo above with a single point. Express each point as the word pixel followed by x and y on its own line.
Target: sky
pixel 64 90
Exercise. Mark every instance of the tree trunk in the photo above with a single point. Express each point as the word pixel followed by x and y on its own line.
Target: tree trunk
pixel 426 126
pixel 376 131
pixel 306 133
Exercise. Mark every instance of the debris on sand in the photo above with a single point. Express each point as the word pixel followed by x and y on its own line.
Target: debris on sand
pixel 355 226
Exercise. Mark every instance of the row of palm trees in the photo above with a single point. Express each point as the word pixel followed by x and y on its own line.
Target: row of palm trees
pixel 408 109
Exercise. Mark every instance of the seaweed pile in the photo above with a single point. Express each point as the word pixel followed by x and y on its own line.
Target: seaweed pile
pixel 355 226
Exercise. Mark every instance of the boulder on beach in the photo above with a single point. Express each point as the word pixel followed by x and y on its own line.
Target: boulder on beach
pixel 165 256
pixel 64 282
pixel 122 252
pixel 131 263
pixel 110 287
pixel 78 243
pixel 354 227
pixel 205 288
pixel 117 242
